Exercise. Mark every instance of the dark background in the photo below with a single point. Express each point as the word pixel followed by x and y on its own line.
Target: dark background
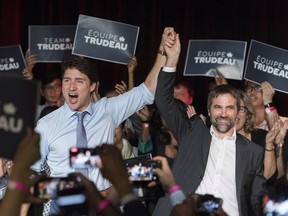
pixel 262 20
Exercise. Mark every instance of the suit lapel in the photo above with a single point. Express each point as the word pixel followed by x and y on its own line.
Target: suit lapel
pixel 241 163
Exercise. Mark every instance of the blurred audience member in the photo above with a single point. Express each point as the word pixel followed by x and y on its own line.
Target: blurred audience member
pixel 184 91
pixel 18 184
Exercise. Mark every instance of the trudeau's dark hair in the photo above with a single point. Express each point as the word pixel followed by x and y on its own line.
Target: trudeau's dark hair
pixel 222 90
pixel 84 65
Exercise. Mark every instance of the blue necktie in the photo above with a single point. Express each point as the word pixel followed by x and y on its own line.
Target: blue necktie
pixel 81 138
pixel 81 132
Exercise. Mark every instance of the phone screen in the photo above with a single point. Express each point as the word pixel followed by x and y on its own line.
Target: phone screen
pixel 83 158
pixel 275 205
pixel 141 169
pixel 207 203
pixel 50 187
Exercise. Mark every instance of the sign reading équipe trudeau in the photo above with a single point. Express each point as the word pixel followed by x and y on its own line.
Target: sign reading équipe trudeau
pixel 51 43
pixel 205 57
pixel 12 60
pixel 105 40
pixel 267 63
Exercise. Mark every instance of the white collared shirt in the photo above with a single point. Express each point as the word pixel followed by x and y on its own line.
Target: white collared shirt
pixel 219 177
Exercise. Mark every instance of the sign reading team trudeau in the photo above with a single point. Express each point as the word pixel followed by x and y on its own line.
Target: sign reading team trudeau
pixel 51 43
pixel 12 60
pixel 105 40
pixel 204 57
pixel 267 63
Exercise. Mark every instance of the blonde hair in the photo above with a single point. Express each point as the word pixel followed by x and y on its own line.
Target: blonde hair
pixel 250 119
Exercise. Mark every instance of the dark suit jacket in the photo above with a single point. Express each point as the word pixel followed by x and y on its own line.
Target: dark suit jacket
pixel 135 208
pixel 194 141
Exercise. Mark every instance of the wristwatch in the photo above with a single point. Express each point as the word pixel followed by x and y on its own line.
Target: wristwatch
pixel 269 105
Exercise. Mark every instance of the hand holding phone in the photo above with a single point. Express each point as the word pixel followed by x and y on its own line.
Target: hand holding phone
pixel 165 174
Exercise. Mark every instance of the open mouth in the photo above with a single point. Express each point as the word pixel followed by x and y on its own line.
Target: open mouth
pixel 73 98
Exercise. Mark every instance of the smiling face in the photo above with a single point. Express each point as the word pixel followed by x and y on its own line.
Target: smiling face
pixel 255 93
pixel 76 89
pixel 223 113
pixel 241 117
pixel 52 92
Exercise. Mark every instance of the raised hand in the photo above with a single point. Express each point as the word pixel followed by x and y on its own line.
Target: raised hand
pixel 279 140
pixel 271 135
pixel 31 60
pixel 28 151
pixel 30 63
pixel 95 96
pixel 164 173
pixel 144 114
pixel 267 92
pixel 172 48
pixel 190 111
pixel 167 31
pixel 121 88
pixel 113 168
pixel 220 79
pixel 132 64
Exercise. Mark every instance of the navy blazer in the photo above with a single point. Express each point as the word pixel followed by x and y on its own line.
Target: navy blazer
pixel 194 141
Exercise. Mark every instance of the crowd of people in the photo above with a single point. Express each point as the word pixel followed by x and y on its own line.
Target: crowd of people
pixel 220 164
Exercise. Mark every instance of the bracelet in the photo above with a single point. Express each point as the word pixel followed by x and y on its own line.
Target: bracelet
pixel 270 109
pixel 15 185
pixel 280 145
pixel 145 125
pixel 269 105
pixel 163 53
pixel 102 205
pixel 173 189
pixel 270 150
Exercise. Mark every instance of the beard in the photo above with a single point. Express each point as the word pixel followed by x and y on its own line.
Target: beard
pixel 223 127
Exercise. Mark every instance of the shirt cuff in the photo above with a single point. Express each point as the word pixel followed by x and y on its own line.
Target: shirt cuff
pixel 169 69
pixel 177 197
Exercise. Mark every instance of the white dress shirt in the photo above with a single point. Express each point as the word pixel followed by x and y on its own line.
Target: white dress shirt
pixel 219 177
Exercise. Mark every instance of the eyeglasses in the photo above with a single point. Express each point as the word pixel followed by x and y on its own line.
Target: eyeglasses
pixel 52 87
pixel 242 109
pixel 251 88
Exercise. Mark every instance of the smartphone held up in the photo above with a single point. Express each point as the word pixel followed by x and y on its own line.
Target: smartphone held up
pixel 51 187
pixel 84 158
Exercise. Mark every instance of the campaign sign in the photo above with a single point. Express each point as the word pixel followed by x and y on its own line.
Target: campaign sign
pixel 205 57
pixel 17 111
pixel 267 63
pixel 12 60
pixel 105 40
pixel 51 43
